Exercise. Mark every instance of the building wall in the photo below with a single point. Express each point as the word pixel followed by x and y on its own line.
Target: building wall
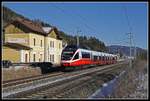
pixel 21 38
pixel 37 46
pixel 58 51
pixel 53 50
pixel 27 39
pixel 51 53
pixel 10 54
pixel 52 34
pixel 12 29
pixel 24 56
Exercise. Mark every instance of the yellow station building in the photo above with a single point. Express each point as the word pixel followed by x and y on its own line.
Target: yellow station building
pixel 32 43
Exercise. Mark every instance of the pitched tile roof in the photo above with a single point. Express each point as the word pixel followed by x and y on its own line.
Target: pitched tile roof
pixel 34 27
pixel 31 25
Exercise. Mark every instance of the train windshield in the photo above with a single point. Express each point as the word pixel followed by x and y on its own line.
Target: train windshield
pixel 68 52
pixel 67 55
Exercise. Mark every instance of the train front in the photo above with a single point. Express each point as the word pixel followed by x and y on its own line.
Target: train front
pixel 67 55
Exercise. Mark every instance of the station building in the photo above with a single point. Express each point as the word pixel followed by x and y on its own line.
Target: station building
pixel 26 41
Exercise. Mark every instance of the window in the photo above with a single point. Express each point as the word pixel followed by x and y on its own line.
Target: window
pixel 85 55
pixel 113 58
pixel 100 58
pixel 52 44
pixel 103 58
pixel 95 58
pixel 41 57
pixel 67 55
pixel 34 41
pixel 59 45
pixel 51 58
pixel 33 57
pixel 26 57
pixel 76 56
pixel 41 43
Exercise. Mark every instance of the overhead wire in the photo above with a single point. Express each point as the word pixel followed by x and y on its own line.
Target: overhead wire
pixel 82 19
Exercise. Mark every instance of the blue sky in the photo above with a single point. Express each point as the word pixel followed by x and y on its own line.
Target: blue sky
pixel 105 21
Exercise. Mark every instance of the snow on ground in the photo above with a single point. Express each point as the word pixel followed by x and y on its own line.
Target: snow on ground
pixel 142 88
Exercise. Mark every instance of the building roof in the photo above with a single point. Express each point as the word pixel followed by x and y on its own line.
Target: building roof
pixel 50 29
pixel 34 27
pixel 31 25
pixel 47 29
pixel 16 46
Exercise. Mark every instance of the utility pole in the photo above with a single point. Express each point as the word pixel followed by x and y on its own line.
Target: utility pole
pixel 134 51
pixel 78 37
pixel 130 35
pixel 130 42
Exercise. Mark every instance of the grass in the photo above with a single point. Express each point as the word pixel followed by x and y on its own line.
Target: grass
pixel 13 73
pixel 128 83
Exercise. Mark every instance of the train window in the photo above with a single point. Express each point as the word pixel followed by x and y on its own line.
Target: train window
pixel 85 55
pixel 71 47
pixel 67 55
pixel 103 57
pixel 76 56
pixel 95 58
pixel 114 58
pixel 99 57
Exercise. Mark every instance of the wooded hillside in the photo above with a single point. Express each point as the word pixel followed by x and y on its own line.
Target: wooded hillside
pixel 86 42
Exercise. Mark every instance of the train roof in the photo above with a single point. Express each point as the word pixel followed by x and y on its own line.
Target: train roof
pixel 91 51
pixel 97 53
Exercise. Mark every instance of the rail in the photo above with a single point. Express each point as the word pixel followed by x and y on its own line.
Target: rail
pixel 39 84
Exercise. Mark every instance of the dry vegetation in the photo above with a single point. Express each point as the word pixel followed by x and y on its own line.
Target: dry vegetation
pixel 13 73
pixel 127 86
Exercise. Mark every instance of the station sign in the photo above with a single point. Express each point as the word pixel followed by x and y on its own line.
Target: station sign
pixel 17 40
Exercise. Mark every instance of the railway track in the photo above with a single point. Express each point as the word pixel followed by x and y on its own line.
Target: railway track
pixel 55 83
pixel 64 90
pixel 28 79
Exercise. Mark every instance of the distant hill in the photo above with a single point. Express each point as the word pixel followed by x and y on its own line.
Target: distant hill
pixel 125 50
pixel 9 15
pixel 86 42
pixel 90 43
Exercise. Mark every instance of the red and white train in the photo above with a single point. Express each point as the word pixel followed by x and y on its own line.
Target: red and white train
pixel 73 56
